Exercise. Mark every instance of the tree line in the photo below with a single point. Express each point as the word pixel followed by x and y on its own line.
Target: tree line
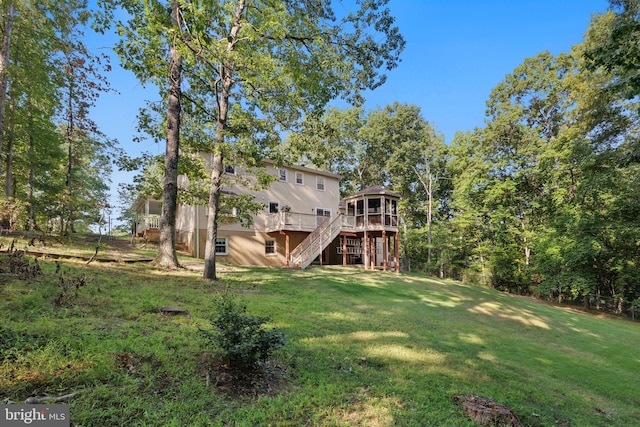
pixel 53 158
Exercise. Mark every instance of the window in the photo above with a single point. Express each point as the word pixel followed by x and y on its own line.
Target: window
pixel 230 170
pixel 270 247
pixel 274 207
pixel 225 211
pixel 322 214
pixel 320 183
pixel 282 175
pixel 299 178
pixel 221 246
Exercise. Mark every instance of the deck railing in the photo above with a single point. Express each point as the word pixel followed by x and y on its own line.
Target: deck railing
pixel 153 221
pixel 315 243
pixel 319 239
pixel 293 221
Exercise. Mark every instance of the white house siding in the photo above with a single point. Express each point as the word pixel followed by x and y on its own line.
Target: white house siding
pixel 246 246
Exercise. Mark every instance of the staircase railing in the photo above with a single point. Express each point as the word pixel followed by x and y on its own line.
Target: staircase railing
pixel 315 243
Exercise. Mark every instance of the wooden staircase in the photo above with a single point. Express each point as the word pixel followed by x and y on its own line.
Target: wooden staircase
pixel 304 254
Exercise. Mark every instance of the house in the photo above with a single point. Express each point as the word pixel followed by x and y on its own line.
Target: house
pixel 304 221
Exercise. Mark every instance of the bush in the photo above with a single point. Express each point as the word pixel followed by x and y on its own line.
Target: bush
pixel 240 338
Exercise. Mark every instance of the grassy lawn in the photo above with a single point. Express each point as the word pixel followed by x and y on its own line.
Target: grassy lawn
pixel 365 348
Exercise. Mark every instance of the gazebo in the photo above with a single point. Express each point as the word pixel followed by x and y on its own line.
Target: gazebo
pixel 373 220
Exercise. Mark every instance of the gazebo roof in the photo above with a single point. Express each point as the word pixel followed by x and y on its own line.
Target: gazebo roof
pixel 374 191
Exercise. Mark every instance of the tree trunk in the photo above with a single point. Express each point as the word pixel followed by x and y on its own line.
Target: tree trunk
pixel 4 61
pixel 167 256
pixel 212 222
pixel 527 249
pixel 32 215
pixel 226 82
pixel 429 215
pixel 428 186
pixel 8 188
pixel 70 131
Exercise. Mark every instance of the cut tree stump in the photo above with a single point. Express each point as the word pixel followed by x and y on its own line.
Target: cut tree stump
pixel 486 412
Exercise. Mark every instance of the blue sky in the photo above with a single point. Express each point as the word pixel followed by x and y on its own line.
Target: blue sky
pixel 456 52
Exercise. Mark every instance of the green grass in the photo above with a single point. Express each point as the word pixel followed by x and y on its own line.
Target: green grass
pixel 365 348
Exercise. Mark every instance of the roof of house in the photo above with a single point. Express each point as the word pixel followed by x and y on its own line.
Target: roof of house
pixel 304 168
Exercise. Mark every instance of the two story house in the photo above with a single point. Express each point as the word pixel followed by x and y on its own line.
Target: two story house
pixel 304 221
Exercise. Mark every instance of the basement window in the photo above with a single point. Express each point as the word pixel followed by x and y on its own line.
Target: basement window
pixel 221 246
pixel 270 247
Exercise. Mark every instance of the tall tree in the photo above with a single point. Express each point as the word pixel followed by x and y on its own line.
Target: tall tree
pixel 8 12
pixel 469 224
pixel 33 96
pixel 167 256
pixel 152 47
pixel 526 115
pixel 82 81
pixel 416 163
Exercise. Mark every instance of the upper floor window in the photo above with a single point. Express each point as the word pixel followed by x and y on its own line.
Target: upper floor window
pixel 282 174
pixel 274 207
pixel 299 178
pixel 320 183
pixel 230 170
pixel 225 211
pixel 221 246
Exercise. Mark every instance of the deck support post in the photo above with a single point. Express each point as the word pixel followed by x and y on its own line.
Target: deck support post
pixel 396 250
pixel 385 250
pixel 344 250
pixel 366 250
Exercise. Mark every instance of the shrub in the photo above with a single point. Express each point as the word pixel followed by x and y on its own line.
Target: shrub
pixel 240 338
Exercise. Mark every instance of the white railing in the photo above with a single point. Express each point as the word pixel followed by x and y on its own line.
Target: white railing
pixel 351 250
pixel 152 221
pixel 316 242
pixel 293 221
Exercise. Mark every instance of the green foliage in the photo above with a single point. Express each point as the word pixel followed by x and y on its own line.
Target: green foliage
pixel 616 49
pixel 240 338
pixel 57 162
pixel 339 141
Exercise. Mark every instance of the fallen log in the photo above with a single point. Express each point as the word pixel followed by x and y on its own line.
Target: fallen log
pixel 49 399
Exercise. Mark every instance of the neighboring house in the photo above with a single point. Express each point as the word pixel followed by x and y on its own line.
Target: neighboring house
pixel 304 221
